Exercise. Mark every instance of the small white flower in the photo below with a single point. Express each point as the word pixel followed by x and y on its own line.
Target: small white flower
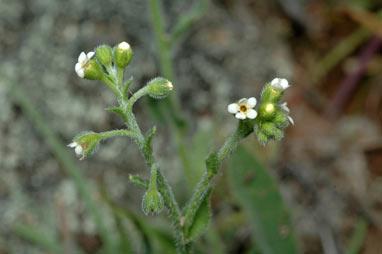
pixel 244 108
pixel 82 60
pixel 284 106
pixel 77 148
pixel 291 120
pixel 280 84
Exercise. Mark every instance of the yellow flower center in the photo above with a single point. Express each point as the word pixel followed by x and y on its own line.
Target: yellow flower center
pixel 243 108
pixel 83 63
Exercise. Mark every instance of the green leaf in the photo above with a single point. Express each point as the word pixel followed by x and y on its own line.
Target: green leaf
pixel 201 220
pixel 147 149
pixel 126 88
pixel 259 195
pixel 117 110
pixel 38 238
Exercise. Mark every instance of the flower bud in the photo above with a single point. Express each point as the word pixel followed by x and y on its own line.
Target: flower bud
pixel 104 55
pixel 261 137
pixel 93 70
pixel 122 54
pixel 271 94
pixel 281 120
pixel 85 144
pixel 267 110
pixel 159 88
pixel 152 202
pixel 270 129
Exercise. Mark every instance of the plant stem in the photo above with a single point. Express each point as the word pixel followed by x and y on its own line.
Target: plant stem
pixel 166 67
pixel 202 187
pixel 112 86
pixel 163 186
pixel 120 76
pixel 114 133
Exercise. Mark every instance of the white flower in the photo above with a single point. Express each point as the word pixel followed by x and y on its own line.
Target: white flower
pixel 284 106
pixel 82 60
pixel 244 108
pixel 280 84
pixel 77 148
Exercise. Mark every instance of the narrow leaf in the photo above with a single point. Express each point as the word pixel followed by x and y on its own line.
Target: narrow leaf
pixel 201 220
pixel 38 238
pixel 259 196
pixel 126 88
pixel 117 110
pixel 147 149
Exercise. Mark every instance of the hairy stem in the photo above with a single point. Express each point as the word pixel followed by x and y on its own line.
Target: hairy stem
pixel 163 186
pixel 114 133
pixel 243 130
pixel 112 86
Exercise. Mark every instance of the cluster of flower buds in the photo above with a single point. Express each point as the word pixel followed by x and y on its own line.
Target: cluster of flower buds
pixel 89 65
pixel 271 117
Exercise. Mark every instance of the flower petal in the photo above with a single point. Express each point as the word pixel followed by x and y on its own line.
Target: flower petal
pixel 232 108
pixel 81 73
pixel 90 54
pixel 251 114
pixel 240 116
pixel 73 144
pixel 291 120
pixel 78 66
pixel 275 81
pixel 284 83
pixel 78 150
pixel 82 57
pixel 251 102
pixel 242 101
pixel 277 87
pixel 284 107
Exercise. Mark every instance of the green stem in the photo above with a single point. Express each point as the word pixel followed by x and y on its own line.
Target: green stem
pixel 163 186
pixel 114 133
pixel 112 86
pixel 120 76
pixel 243 130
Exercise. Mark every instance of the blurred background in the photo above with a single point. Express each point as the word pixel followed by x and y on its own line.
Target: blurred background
pixel 327 169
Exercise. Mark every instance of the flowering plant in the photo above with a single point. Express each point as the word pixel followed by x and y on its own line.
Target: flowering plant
pixel 268 122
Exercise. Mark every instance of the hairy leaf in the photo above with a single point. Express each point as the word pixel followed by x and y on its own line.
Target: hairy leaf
pixel 201 220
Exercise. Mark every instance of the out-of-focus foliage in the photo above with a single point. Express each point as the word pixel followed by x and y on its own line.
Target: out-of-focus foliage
pixel 259 195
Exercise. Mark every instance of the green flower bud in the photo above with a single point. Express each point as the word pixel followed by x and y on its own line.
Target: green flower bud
pixel 152 202
pixel 122 54
pixel 271 94
pixel 85 144
pixel 281 120
pixel 267 110
pixel 261 137
pixel 159 88
pixel 270 129
pixel 104 55
pixel 93 70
